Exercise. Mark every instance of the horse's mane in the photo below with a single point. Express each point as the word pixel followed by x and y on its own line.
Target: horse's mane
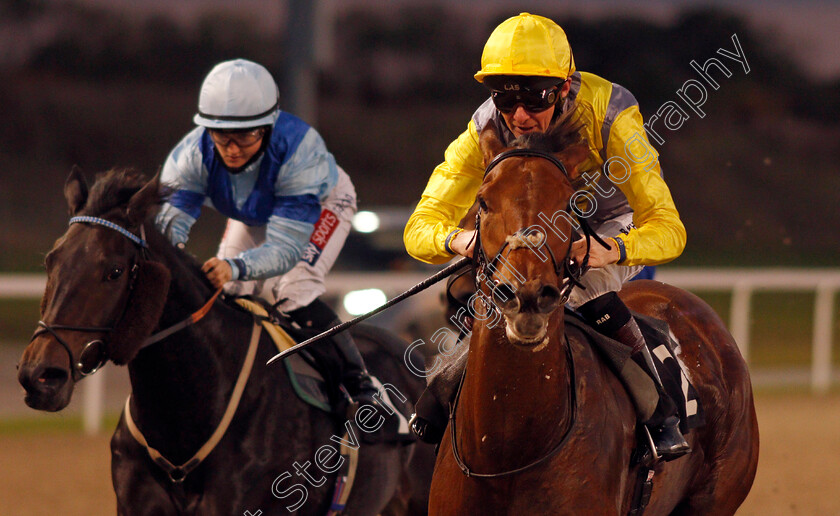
pixel 113 189
pixel 564 132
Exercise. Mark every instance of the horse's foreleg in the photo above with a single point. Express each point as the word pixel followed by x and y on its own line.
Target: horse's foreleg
pixel 412 493
pixel 138 493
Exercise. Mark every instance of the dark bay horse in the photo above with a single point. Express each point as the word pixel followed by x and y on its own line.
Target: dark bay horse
pixel 112 280
pixel 541 424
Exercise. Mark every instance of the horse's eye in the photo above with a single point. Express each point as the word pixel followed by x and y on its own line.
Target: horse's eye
pixel 482 205
pixel 115 272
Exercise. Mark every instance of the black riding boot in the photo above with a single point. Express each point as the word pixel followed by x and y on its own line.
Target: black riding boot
pixel 431 412
pixel 356 378
pixel 654 407
pixel 354 375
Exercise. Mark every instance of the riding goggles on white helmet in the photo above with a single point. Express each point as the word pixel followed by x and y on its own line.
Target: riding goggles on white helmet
pixel 241 137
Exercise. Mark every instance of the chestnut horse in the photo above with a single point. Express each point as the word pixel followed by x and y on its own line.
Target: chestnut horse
pixel 112 280
pixel 541 424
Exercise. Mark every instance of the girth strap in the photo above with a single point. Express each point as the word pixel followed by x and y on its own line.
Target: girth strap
pixel 177 474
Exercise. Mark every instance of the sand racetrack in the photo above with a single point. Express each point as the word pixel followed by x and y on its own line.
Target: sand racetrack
pixel 798 471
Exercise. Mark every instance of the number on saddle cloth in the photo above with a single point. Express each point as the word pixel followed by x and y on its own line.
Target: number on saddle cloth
pixel 663 348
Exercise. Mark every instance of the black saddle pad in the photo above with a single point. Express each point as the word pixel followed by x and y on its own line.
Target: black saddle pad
pixel 316 372
pixel 663 349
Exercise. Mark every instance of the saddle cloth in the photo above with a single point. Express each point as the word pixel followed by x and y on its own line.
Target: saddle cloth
pixel 308 377
pixel 663 349
pixel 442 385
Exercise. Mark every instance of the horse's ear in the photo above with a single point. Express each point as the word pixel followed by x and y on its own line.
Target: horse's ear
pixel 573 157
pixel 75 190
pixel 145 306
pixel 490 143
pixel 142 201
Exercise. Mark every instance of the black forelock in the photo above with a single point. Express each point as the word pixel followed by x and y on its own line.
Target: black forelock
pixel 113 189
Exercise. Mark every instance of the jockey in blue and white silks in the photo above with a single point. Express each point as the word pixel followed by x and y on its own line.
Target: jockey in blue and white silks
pixel 282 188
pixel 289 206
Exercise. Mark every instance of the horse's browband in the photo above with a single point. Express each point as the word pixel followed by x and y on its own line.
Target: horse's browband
pixel 533 153
pixel 110 225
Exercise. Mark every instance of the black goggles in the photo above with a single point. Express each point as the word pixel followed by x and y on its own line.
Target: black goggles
pixel 534 101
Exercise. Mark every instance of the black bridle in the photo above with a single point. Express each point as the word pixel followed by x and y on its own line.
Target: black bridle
pixel 95 354
pixel 97 348
pixel 564 269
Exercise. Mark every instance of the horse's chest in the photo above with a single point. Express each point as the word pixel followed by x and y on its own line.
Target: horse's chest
pixel 589 476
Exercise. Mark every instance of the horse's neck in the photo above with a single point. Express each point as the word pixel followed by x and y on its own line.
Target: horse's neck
pixel 180 385
pixel 513 396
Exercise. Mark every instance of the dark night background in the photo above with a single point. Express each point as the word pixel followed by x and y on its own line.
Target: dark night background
pixel 755 180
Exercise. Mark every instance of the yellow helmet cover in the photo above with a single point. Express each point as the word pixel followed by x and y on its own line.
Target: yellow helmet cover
pixel 527 45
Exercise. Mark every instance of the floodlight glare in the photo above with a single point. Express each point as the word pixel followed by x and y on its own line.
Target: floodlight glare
pixel 366 222
pixel 359 302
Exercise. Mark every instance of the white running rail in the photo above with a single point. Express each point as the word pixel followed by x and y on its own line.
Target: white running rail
pixel 741 282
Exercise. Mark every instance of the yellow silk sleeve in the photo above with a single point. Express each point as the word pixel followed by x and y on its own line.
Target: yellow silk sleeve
pixel 633 165
pixel 448 196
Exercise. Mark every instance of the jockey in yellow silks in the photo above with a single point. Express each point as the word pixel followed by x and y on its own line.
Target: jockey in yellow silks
pixel 528 66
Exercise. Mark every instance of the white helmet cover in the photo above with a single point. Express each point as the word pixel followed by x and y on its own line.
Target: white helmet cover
pixel 237 94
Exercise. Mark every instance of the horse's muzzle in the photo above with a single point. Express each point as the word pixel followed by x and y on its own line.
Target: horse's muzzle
pixel 527 310
pixel 47 387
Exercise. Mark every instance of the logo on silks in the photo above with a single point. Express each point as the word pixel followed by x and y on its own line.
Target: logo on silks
pixel 324 229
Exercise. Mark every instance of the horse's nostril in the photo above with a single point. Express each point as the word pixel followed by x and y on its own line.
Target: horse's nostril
pixel 504 296
pixel 548 298
pixel 53 376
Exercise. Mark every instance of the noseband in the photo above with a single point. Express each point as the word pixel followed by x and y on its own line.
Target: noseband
pixel 95 349
pixel 565 268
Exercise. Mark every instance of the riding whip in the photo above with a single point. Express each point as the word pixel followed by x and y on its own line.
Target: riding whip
pixel 423 285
